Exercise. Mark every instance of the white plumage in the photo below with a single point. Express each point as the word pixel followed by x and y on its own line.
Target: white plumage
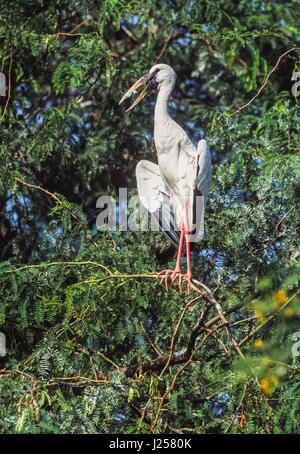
pixel 182 173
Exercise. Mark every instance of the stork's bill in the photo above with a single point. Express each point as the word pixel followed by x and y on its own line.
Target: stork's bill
pixel 150 78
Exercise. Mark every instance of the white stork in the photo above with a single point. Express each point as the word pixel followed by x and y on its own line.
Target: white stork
pixel 182 173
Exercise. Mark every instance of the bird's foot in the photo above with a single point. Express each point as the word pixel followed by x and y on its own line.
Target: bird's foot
pixel 176 274
pixel 167 274
pixel 180 276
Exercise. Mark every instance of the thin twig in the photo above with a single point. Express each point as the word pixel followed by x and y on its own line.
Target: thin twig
pixel 175 334
pixel 212 300
pixel 150 341
pixel 41 265
pixel 79 25
pixel 286 214
pixel 129 33
pixel 45 191
pixel 166 42
pixel 263 85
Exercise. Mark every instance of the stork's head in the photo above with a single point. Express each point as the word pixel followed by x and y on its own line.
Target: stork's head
pixel 159 76
pixel 162 75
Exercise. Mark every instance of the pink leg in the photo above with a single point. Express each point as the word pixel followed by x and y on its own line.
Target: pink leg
pixel 177 272
pixel 187 241
pixel 177 268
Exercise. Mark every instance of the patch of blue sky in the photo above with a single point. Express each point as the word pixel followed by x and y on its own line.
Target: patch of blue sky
pixel 227 200
pixel 231 277
pixel 20 88
pixel 132 19
pixel 39 119
pixel 53 237
pixel 220 403
pixel 139 340
pixel 277 185
pixel 75 138
pixel 205 28
pixel 10 210
pixel 173 104
pixel 259 160
pixel 191 124
pixel 190 87
pixel 271 254
pixel 49 104
pixel 202 134
pixel 239 316
pixel 119 417
pixel 207 252
pixel 220 261
pixel 235 198
pixel 185 41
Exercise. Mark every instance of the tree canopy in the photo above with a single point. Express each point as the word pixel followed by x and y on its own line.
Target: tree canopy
pixel 93 342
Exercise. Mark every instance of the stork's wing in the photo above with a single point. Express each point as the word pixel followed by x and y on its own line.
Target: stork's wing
pixel 150 185
pixel 202 181
pixel 154 197
pixel 201 190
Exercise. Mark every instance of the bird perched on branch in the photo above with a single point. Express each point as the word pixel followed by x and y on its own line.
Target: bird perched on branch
pixel 175 190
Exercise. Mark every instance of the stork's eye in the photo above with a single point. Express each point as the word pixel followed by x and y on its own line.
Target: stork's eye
pixel 155 71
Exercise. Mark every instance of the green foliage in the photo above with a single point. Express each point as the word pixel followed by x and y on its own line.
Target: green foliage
pixel 79 306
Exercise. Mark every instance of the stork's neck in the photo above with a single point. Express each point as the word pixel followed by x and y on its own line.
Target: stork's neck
pixel 161 114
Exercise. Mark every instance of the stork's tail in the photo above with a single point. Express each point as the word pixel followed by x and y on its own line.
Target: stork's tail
pixel 166 221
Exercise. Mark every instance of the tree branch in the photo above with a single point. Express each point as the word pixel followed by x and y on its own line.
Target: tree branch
pixel 263 85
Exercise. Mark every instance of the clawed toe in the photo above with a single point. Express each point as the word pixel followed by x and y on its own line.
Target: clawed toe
pixel 167 273
pixel 176 274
